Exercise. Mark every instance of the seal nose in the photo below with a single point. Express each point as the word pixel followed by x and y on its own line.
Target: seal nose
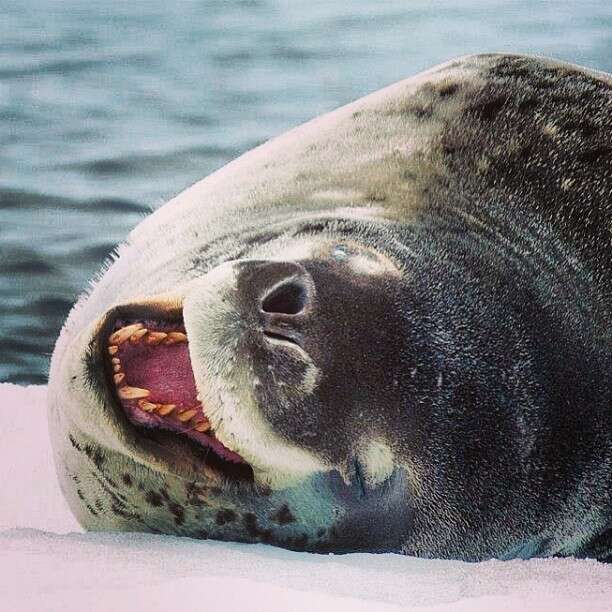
pixel 281 293
pixel 289 297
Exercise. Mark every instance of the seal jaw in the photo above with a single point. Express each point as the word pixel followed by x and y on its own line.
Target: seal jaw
pixel 149 376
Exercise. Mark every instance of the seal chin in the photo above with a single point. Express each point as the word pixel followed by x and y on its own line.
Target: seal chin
pixel 149 379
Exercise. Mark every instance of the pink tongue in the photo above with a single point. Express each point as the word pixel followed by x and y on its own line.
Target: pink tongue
pixel 165 370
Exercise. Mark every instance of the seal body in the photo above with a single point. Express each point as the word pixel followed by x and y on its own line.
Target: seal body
pixel 399 329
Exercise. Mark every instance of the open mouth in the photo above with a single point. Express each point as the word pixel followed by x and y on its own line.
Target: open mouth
pixel 150 371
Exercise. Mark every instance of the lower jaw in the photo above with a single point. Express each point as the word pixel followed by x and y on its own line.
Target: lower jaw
pixel 187 459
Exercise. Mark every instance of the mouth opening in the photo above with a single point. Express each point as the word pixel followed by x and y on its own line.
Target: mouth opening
pixel 150 372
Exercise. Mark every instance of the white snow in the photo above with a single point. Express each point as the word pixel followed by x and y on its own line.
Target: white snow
pixel 48 563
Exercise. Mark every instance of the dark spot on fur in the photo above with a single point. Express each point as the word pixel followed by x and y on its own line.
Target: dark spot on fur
pixel 74 443
pixel 526 105
pixel 225 516
pixel 586 129
pixel 164 493
pixel 420 112
pixel 91 510
pixel 297 543
pixel 266 536
pixel 153 499
pixel 99 459
pixel 141 486
pixel 191 488
pixel 76 479
pixel 356 114
pixel 301 542
pixel 127 480
pixel 96 456
pixel 178 511
pixel 283 516
pixel 250 523
pixel 596 155
pixel 448 89
pixel 194 493
pixel 320 533
pixel 448 148
pixel 115 495
pixel 99 505
pixel 489 109
pixel 524 152
pixel 80 494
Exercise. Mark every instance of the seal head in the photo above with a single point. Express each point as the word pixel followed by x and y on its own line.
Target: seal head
pixel 387 330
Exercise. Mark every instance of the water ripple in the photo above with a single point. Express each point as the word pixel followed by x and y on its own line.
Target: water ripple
pixel 108 109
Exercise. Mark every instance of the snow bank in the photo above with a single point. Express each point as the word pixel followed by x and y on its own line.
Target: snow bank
pixel 47 563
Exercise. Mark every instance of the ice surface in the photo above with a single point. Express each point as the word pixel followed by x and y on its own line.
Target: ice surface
pixel 47 563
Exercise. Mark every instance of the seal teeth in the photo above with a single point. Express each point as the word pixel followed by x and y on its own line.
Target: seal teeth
pixel 148 406
pixel 128 393
pixel 136 336
pixel 166 409
pixel 175 337
pixel 203 425
pixel 192 416
pixel 155 337
pixel 187 415
pixel 123 334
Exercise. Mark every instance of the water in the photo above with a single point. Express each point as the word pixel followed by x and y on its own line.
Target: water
pixel 109 108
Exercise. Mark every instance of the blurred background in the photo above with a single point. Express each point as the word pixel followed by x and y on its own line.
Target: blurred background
pixel 107 109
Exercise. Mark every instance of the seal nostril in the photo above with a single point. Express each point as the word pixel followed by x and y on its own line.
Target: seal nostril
pixel 288 298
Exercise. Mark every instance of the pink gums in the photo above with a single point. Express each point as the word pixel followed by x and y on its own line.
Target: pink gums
pixel 165 370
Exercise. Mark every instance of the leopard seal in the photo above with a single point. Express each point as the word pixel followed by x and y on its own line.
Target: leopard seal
pixel 389 329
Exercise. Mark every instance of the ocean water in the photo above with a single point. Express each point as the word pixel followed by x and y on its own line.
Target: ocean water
pixel 107 109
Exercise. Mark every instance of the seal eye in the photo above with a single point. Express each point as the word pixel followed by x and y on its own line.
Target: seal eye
pixel 340 252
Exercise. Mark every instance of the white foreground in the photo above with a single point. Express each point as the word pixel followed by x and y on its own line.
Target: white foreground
pixel 48 563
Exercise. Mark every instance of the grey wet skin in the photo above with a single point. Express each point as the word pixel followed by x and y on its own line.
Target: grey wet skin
pixel 419 339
